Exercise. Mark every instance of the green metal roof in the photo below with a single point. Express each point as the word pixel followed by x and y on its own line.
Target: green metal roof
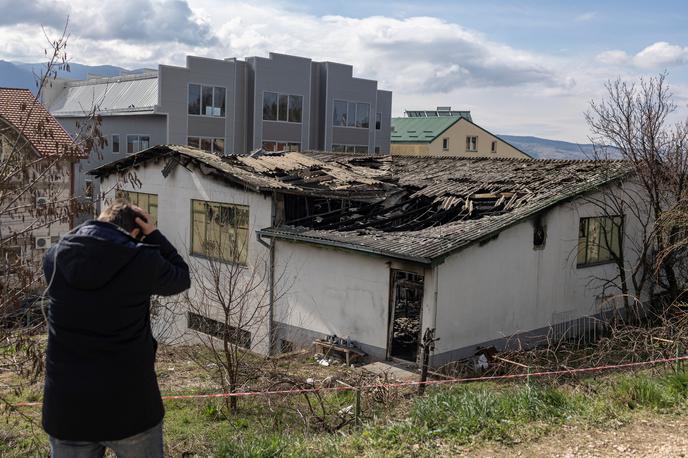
pixel 420 130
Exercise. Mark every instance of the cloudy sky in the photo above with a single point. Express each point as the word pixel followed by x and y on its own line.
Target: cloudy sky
pixel 521 67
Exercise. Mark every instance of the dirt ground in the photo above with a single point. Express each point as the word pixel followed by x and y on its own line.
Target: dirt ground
pixel 655 436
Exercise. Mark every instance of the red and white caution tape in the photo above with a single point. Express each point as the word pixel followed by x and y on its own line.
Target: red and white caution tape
pixel 403 384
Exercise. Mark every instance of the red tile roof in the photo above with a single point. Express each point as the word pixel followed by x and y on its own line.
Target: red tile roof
pixel 21 109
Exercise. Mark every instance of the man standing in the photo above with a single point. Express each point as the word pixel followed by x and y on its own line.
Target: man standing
pixel 101 389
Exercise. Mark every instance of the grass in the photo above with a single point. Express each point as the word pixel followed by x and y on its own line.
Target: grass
pixel 450 419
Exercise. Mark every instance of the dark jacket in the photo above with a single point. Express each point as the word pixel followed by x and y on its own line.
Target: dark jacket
pixel 100 379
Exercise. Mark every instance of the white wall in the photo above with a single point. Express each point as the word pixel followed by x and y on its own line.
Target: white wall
pixel 485 293
pixel 174 217
pixel 333 291
pixel 506 286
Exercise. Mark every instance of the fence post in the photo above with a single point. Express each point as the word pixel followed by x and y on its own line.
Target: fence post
pixel 357 406
pixel 678 365
pixel 427 346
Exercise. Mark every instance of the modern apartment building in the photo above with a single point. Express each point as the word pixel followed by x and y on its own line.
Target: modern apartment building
pixel 229 106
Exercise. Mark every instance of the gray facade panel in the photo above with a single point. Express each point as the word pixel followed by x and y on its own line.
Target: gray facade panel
pixel 203 126
pixel 282 131
pixel 383 135
pixel 350 136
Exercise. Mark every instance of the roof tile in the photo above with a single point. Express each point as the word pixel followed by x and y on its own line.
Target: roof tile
pixel 20 108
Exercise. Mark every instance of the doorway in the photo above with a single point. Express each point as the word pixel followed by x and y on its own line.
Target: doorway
pixel 405 313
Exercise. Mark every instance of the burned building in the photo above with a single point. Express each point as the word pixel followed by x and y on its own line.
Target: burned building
pixel 378 249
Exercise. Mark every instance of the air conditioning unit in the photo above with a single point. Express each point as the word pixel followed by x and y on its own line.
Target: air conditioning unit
pixel 43 243
pixel 41 201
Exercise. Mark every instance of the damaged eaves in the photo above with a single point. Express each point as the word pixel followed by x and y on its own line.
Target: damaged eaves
pixel 293 173
pixel 413 208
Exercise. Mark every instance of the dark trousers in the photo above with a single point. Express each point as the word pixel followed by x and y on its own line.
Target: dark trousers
pixel 147 444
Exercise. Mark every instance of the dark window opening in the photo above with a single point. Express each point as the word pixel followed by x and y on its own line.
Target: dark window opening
pixel 194 99
pixel 218 330
pixel 286 346
pixel 539 234
pixel 115 143
pixel 406 308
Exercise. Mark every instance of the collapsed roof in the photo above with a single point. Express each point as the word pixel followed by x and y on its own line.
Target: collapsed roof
pixel 293 173
pixel 414 208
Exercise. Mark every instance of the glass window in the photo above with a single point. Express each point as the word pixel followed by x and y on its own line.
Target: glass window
pixel 350 149
pixel 351 115
pixel 494 147
pixel 132 144
pixel 363 115
pixel 270 106
pixel 282 108
pixel 339 148
pixel 339 114
pixel 599 239
pixel 268 146
pixel 378 120
pixel 219 96
pixel 207 100
pixel 194 99
pixel 219 146
pixel 148 202
pixel 471 143
pixel 115 143
pixel 194 142
pixel 88 188
pixel 144 142
pixel 206 144
pixel 294 147
pixel 295 108
pixel 361 149
pixel 377 150
pixel 219 231
pixel 445 144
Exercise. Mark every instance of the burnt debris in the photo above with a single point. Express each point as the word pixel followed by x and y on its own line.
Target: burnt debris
pixel 417 208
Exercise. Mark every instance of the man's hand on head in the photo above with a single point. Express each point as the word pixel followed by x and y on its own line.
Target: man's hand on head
pixel 146 225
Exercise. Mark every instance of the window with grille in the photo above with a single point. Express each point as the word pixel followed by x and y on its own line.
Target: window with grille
pixel 219 330
pixel 599 240
pixel 219 231
pixel 148 202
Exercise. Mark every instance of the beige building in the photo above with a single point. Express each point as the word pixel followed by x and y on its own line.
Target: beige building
pixel 447 133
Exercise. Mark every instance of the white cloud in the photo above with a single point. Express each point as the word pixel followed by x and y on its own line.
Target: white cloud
pixel 655 56
pixel 661 54
pixel 613 57
pixel 142 21
pixel 425 61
